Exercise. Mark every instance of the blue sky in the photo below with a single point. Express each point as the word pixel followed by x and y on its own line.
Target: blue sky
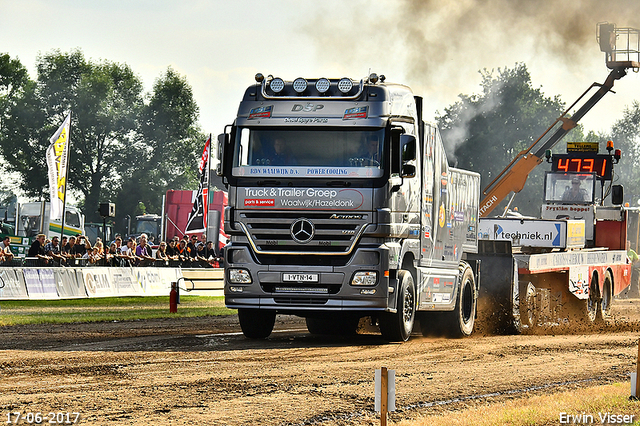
pixel 436 47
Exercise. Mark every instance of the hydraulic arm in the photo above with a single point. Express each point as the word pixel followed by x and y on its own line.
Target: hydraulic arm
pixel 514 176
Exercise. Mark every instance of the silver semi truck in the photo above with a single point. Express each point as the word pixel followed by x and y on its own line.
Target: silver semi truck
pixel 342 206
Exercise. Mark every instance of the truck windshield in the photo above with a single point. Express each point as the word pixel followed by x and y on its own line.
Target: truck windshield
pixel 309 152
pixel 147 227
pixel 569 188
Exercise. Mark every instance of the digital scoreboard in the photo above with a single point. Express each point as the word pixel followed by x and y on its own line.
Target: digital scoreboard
pixel 600 164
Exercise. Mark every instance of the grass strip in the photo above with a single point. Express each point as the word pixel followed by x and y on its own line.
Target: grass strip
pixel 17 312
pixel 546 410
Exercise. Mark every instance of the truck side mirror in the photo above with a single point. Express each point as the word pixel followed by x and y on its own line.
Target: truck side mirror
pixel 223 140
pixel 408 147
pixel 408 154
pixel 617 195
pixel 408 171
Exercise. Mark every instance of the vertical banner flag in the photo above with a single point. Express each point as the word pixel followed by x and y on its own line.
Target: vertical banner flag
pixel 57 162
pixel 197 220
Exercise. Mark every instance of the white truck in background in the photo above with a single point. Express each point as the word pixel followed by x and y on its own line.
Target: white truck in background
pixel 33 219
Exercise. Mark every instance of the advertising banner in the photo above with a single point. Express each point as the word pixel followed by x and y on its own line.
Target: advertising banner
pixel 98 282
pixel 13 286
pixel 68 284
pixel 125 282
pixel 283 198
pixel 523 232
pixel 149 280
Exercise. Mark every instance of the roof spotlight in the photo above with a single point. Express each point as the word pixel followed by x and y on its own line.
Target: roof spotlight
pixel 299 85
pixel 373 78
pixel 277 84
pixel 345 85
pixel 322 85
pixel 259 77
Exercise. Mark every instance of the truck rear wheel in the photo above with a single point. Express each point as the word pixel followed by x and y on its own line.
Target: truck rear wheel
pixel 604 305
pixel 460 321
pixel 256 323
pixel 592 305
pixel 397 327
pixel 529 307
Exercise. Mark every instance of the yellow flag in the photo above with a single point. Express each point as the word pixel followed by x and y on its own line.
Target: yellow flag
pixel 57 162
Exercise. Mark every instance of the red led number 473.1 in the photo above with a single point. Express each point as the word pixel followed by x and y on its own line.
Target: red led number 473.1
pixel 599 164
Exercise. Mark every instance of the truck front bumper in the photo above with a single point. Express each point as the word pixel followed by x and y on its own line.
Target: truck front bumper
pixel 328 287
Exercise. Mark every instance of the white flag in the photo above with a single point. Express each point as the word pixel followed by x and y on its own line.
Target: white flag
pixel 57 162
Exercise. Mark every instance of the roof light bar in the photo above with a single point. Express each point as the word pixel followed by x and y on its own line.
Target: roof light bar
pixel 322 85
pixel 277 84
pixel 299 85
pixel 345 85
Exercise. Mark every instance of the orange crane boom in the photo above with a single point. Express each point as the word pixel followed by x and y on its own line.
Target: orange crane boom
pixel 514 176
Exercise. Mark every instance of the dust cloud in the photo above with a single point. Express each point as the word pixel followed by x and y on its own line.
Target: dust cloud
pixel 438 46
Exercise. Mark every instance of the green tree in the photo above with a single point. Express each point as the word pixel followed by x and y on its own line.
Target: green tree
pixel 167 148
pixel 625 135
pixel 105 99
pixel 13 79
pixel 485 132
pixel 123 149
pixel 22 127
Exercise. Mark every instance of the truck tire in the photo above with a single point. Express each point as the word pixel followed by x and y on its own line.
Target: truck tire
pixel 584 311
pixel 513 321
pixel 397 327
pixel 336 326
pixel 460 321
pixel 592 304
pixel 256 323
pixel 529 307
pixel 604 305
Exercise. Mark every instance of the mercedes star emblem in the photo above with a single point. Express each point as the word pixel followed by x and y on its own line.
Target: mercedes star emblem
pixel 302 230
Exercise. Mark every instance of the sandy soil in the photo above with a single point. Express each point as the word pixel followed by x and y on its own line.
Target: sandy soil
pixel 203 371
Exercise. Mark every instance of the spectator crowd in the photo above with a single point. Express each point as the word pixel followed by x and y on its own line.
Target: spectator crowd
pixel 77 250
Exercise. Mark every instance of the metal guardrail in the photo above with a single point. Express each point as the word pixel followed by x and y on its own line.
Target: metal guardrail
pixel 36 262
pixel 204 279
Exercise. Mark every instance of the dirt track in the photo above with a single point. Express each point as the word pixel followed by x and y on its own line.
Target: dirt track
pixel 202 371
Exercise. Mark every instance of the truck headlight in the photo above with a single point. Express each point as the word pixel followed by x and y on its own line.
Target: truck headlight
pixel 365 278
pixel 239 276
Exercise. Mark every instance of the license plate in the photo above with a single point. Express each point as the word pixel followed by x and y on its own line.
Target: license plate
pixel 300 278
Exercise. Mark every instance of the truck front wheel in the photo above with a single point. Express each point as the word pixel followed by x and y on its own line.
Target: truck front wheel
pixel 397 327
pixel 255 323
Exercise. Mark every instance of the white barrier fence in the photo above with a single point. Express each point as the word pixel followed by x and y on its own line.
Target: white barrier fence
pixel 22 283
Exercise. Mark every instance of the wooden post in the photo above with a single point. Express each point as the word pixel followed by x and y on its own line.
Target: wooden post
pixel 638 372
pixel 384 390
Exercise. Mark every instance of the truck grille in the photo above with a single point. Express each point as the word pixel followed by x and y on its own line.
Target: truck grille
pixel 303 232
